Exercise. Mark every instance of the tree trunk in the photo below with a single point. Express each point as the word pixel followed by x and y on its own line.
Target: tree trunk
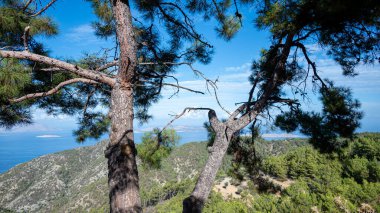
pixel 195 202
pixel 123 179
pixel 121 153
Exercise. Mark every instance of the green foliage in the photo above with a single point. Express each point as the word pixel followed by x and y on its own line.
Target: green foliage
pixel 275 166
pixel 328 182
pixel 340 117
pixel 92 125
pixel 334 23
pixel 358 168
pixel 13 20
pixel 155 146
pixel 14 77
pixel 217 204
pixel 154 195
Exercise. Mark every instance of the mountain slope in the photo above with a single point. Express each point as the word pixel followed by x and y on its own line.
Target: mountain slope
pixel 76 180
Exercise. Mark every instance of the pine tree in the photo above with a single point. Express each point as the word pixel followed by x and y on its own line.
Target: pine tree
pixel 150 43
pixel 348 30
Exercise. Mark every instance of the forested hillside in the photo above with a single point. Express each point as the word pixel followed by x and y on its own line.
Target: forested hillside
pixel 292 177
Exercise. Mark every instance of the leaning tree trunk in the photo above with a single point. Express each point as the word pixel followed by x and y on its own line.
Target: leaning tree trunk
pixel 195 202
pixel 123 176
pixel 224 132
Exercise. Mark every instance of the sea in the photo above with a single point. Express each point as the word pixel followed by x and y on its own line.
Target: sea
pixel 16 148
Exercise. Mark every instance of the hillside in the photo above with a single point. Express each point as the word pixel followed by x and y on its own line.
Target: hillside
pixel 76 180
pixel 293 177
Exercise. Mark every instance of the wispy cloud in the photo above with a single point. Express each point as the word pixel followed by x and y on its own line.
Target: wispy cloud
pixel 84 35
pixel 48 136
pixel 243 67
pixel 36 127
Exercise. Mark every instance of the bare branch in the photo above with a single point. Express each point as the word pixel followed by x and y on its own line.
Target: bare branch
pixel 197 73
pixel 89 96
pixel 312 64
pixel 90 74
pixel 52 69
pixel 45 8
pixel 27 4
pixel 173 85
pixel 52 91
pixel 191 32
pixel 307 34
pixel 187 109
pixel 106 66
pixel 184 88
pixel 25 37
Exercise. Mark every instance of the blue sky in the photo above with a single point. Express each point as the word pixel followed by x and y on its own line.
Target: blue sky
pixel 230 64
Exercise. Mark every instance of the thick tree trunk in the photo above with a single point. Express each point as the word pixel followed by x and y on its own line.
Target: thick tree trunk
pixel 195 202
pixel 123 177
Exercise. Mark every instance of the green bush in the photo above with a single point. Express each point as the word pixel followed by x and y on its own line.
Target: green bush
pixel 275 166
pixel 156 146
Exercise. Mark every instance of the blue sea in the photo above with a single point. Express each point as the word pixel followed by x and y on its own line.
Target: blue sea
pixel 16 148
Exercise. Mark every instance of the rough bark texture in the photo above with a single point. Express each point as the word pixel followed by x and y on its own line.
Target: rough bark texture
pixel 121 153
pixel 202 189
pixel 122 168
pixel 196 201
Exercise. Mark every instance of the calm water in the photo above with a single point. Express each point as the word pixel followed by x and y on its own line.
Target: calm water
pixel 16 148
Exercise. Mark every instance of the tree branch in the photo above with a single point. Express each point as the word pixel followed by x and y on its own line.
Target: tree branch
pixel 272 83
pixel 27 5
pixel 90 74
pixel 106 66
pixel 25 37
pixel 313 66
pixel 45 8
pixel 197 73
pixel 52 69
pixel 187 109
pixel 184 88
pixel 52 91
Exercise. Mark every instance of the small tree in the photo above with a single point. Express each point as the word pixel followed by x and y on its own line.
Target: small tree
pixel 155 146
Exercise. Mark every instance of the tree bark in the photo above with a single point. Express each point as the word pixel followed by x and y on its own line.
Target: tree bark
pixel 224 132
pixel 123 176
pixel 195 202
